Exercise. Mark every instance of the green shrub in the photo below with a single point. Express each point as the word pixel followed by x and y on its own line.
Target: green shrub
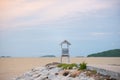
pixel 83 66
pixel 67 66
pixel 64 66
pixel 70 66
pixel 60 65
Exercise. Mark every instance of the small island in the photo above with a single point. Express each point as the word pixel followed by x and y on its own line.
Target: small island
pixel 48 56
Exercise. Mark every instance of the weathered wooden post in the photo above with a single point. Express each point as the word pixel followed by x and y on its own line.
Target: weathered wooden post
pixel 65 51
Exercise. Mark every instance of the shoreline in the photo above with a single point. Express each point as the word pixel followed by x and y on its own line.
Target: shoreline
pixel 11 67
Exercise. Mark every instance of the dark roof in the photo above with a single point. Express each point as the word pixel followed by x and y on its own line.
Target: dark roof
pixel 65 42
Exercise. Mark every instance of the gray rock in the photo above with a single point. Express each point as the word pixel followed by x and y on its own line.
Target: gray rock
pixel 45 73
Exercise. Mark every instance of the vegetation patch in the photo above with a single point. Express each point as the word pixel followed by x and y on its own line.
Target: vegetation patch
pixel 67 66
pixel 83 66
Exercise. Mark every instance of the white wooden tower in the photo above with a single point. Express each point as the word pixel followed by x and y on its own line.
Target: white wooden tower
pixel 65 51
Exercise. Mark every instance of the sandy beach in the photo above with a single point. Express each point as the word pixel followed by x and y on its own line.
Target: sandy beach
pixel 12 67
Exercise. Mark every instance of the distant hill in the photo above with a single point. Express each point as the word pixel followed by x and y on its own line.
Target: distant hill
pixel 5 56
pixel 79 56
pixel 109 53
pixel 48 56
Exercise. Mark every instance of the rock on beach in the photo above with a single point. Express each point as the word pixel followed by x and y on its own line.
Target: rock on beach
pixel 52 72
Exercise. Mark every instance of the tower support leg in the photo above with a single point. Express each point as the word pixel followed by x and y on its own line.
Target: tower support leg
pixel 68 59
pixel 61 59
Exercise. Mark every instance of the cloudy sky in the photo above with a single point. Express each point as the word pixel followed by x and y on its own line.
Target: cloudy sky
pixel 36 27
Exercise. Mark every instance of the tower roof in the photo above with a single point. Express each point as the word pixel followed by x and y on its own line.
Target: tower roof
pixel 65 42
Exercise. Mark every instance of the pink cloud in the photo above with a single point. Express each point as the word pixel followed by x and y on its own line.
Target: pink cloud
pixel 47 10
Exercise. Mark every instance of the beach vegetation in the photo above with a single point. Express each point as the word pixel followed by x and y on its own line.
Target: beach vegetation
pixel 67 66
pixel 82 66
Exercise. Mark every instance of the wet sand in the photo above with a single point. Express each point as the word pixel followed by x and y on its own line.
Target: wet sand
pixel 12 67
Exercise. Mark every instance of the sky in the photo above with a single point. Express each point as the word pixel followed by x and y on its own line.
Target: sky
pixel 32 28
